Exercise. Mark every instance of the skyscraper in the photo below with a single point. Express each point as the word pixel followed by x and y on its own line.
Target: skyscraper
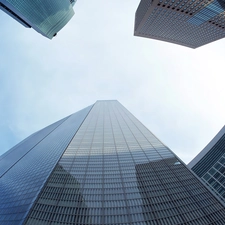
pixel 45 16
pixel 101 166
pixel 209 164
pixel 191 23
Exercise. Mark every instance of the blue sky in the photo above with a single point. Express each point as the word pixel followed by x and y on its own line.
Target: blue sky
pixel 177 92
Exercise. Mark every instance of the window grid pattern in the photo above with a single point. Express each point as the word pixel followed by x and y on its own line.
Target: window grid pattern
pixel 46 16
pixel 189 7
pixel 13 15
pixel 141 11
pixel 215 178
pixel 208 12
pixel 218 20
pixel 210 158
pixel 115 171
pixel 24 179
pixel 16 153
pixel 190 23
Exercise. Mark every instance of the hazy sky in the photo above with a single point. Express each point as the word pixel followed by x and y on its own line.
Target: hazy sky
pixel 177 92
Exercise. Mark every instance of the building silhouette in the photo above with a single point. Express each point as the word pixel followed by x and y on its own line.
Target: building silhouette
pixel 191 23
pixel 101 166
pixel 47 17
pixel 209 165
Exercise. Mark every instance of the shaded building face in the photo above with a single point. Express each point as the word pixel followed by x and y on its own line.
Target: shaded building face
pixel 45 16
pixel 172 195
pixel 113 170
pixel 60 201
pixel 185 22
pixel 209 165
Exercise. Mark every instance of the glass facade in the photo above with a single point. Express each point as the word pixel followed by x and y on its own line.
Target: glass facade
pixel 13 15
pixel 45 16
pixel 26 167
pixel 191 23
pixel 210 167
pixel 208 12
pixel 115 171
pixel 215 178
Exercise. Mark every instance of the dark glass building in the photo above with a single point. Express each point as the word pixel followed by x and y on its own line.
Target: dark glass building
pixel 45 16
pixel 209 165
pixel 191 23
pixel 101 166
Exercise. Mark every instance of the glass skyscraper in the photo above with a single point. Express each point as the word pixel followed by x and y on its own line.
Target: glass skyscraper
pixel 45 16
pixel 101 166
pixel 209 164
pixel 191 23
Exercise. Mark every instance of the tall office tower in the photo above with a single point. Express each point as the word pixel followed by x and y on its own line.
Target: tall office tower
pixel 209 164
pixel 101 166
pixel 191 23
pixel 45 16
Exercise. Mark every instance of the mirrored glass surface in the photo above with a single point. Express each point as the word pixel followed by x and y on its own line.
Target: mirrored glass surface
pixel 115 171
pixel 45 16
pixel 27 173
